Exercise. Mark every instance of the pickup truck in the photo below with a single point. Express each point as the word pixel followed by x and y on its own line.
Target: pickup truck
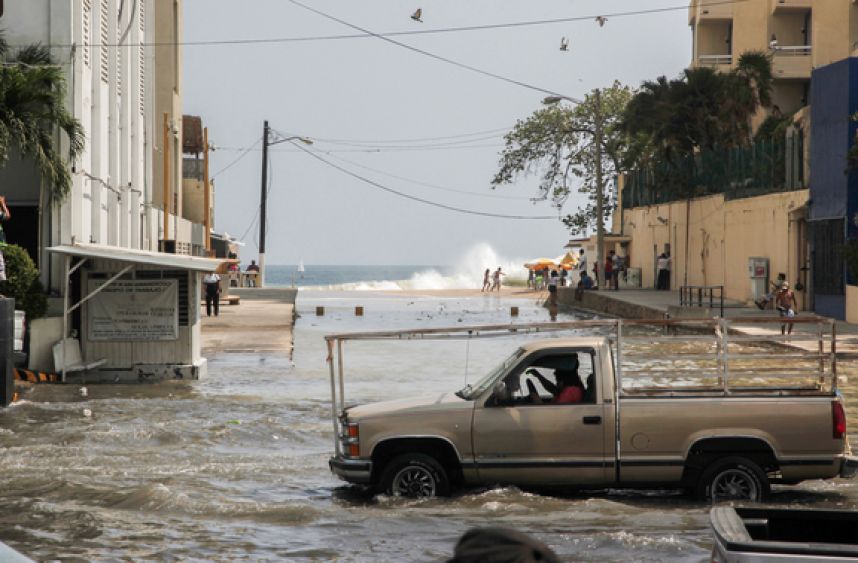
pixel 718 431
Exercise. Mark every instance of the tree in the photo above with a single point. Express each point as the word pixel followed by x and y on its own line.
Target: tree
pixel 22 282
pixel 557 142
pixel 32 106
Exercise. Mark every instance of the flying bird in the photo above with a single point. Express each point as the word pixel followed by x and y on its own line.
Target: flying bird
pixel 564 44
pixel 601 20
pixel 417 15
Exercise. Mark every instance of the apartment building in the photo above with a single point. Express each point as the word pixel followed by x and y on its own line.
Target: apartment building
pixel 800 35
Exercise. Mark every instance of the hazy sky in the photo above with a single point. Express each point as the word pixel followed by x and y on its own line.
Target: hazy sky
pixel 353 96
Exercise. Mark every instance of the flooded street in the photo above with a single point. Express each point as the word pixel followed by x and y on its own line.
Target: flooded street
pixel 235 466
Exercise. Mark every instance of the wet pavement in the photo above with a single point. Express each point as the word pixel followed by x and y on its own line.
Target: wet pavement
pixel 234 467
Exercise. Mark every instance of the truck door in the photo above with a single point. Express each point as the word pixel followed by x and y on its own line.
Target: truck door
pixel 526 435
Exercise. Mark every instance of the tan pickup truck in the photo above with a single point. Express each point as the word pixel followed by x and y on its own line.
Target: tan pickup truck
pixel 723 423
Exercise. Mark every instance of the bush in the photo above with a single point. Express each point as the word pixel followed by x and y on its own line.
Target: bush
pixel 22 282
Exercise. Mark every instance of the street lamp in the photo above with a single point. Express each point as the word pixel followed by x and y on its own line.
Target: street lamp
pixel 597 147
pixel 266 142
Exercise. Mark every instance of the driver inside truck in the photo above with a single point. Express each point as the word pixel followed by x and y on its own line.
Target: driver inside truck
pixel 567 387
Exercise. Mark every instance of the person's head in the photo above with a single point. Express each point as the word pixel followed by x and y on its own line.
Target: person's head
pixel 554 274
pixel 581 252
pixel 781 276
pixel 501 545
pixel 568 378
pixel 611 253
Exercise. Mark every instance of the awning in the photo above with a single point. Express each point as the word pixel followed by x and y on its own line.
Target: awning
pixel 135 256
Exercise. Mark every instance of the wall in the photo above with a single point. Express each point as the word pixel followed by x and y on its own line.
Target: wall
pixel 721 238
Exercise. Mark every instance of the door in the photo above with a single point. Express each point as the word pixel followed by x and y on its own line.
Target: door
pixel 520 438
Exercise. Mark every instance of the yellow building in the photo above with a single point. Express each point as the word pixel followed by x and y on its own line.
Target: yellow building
pixel 799 34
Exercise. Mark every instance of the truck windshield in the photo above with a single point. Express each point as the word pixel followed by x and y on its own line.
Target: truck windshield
pixel 471 391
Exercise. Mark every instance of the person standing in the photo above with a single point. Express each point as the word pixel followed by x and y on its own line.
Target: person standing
pixel 582 262
pixel 4 216
pixel 786 304
pixel 212 285
pixel 663 266
pixel 609 270
pixel 531 279
pixel 486 283
pixel 552 287
pixel 617 265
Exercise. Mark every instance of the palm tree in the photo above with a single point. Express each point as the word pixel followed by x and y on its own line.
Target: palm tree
pixel 32 107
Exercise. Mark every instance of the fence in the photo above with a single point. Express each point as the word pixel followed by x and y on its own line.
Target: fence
pixel 768 166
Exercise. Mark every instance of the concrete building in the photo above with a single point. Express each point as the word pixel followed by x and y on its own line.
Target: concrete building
pixel 800 35
pixel 126 199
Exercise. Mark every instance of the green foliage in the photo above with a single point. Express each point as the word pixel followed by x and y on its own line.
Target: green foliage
pixel 557 143
pixel 22 282
pixel 671 120
pixel 32 105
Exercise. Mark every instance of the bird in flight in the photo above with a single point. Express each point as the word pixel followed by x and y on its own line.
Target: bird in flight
pixel 601 20
pixel 564 44
pixel 417 15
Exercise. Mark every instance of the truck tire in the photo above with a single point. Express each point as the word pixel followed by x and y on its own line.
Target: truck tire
pixel 415 476
pixel 733 478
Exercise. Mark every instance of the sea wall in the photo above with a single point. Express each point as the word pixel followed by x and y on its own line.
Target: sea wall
pixel 600 303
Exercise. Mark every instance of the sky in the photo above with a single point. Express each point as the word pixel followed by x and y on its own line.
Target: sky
pixel 410 123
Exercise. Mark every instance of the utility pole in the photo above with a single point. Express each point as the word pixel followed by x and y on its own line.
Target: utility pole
pixel 600 193
pixel 263 205
pixel 207 198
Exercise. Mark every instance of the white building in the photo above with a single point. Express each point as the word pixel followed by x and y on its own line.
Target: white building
pixel 127 95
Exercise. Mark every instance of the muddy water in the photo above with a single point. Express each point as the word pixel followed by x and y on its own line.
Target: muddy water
pixel 235 466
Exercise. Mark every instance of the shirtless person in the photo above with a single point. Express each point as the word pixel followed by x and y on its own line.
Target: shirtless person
pixel 786 304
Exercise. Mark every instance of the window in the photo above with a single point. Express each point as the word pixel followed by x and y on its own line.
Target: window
pixel 552 378
pixel 86 18
pixel 104 39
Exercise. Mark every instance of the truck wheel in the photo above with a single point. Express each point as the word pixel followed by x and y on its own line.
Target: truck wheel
pixel 415 476
pixel 733 478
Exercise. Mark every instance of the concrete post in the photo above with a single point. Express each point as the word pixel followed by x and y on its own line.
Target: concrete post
pixel 7 340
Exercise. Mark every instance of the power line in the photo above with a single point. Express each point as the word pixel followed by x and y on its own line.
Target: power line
pixel 423 146
pixel 390 141
pixel 434 56
pixel 418 199
pixel 375 150
pixel 365 35
pixel 427 184
pixel 242 155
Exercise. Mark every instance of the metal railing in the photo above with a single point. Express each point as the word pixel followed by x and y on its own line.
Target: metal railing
pixel 794 50
pixel 714 60
pixel 702 296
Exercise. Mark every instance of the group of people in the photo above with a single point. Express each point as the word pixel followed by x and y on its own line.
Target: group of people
pixel 546 278
pixel 492 280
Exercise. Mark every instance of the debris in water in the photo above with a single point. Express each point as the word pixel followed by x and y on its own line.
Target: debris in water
pixel 87 413
pixel 84 392
pixel 234 421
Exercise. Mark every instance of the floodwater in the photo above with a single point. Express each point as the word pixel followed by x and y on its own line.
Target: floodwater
pixel 234 467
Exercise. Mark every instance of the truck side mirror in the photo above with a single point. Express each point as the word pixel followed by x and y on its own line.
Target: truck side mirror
pixel 500 393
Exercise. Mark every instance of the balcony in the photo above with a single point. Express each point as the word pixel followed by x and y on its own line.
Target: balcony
pixel 718 62
pixel 792 62
pixel 786 5
pixel 709 10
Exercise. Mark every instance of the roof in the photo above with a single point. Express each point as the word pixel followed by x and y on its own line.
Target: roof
pixel 136 256
pixel 609 237
pixel 574 342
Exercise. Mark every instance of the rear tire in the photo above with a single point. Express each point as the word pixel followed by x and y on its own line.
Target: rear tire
pixel 415 476
pixel 733 478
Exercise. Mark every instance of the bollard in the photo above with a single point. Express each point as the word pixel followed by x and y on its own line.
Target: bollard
pixel 320 311
pixel 513 311
pixel 358 311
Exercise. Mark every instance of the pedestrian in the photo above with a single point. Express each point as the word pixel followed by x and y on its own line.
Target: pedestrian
pixel 252 273
pixel 663 266
pixel 595 274
pixel 553 279
pixel 546 274
pixel 617 265
pixel 4 216
pixel 531 279
pixel 582 261
pixel 776 286
pixel 496 279
pixel 486 283
pixel 212 286
pixel 786 305
pixel 609 270
pixel 563 275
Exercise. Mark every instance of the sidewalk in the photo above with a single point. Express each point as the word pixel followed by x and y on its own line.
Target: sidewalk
pixel 261 323
pixel 653 304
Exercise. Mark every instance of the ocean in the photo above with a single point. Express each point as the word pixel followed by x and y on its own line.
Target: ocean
pixel 466 273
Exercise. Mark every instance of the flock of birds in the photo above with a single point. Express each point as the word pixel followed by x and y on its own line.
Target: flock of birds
pixel 564 43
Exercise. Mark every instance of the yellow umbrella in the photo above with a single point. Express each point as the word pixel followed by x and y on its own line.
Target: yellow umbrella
pixel 541 264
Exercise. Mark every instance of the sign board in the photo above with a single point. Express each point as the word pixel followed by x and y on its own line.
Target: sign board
pixel 136 310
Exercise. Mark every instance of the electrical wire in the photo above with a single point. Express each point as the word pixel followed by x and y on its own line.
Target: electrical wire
pixel 423 146
pixel 419 140
pixel 427 184
pixel 419 199
pixel 375 150
pixel 242 155
pixel 436 57
pixel 481 27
